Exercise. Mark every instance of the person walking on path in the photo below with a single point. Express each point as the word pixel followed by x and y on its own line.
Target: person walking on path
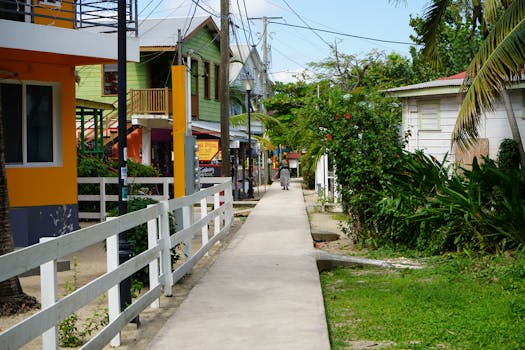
pixel 284 175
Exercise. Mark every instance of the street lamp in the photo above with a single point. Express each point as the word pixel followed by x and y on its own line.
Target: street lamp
pixel 248 86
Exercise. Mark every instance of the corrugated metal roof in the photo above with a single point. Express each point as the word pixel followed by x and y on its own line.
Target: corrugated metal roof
pixel 240 55
pixel 215 127
pixel 164 32
pixel 428 84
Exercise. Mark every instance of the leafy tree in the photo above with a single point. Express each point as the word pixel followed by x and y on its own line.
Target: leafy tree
pixel 495 66
pixel 456 44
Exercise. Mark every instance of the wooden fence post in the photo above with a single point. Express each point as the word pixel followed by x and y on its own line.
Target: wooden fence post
pixel 153 236
pixel 112 260
pixel 204 230
pixel 166 249
pixel 102 198
pixel 49 294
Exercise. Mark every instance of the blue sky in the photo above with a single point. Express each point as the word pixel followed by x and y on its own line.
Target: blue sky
pixel 292 48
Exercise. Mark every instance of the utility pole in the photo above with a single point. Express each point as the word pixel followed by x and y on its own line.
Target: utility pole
pixel 225 88
pixel 265 80
pixel 179 47
pixel 125 247
pixel 265 54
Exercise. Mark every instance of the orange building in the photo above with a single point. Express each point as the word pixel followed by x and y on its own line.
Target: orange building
pixel 41 44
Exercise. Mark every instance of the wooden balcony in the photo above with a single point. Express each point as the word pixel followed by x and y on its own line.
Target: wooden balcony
pixel 150 101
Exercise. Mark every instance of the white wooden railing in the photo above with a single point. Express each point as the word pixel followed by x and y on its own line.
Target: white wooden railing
pixel 45 254
pixel 103 197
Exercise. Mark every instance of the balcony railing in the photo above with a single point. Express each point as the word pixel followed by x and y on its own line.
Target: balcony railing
pixel 150 101
pixel 99 14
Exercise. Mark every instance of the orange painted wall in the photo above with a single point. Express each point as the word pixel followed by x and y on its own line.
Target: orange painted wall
pixel 56 13
pixel 52 185
pixel 133 144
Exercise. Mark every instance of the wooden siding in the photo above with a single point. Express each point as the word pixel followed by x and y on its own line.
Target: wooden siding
pixel 202 42
pixel 90 86
pixel 494 126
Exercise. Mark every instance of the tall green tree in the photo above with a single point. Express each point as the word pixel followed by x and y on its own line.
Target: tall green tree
pixel 456 42
pixel 495 66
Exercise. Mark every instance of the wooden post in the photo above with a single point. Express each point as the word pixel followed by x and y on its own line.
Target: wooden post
pixel 204 230
pixel 224 88
pixel 112 260
pixel 166 250
pixel 48 289
pixel 153 236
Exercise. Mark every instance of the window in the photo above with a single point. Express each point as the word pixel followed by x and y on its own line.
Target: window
pixel 429 119
pixel 207 88
pixel 217 81
pixel 110 79
pixel 30 123
pixel 194 77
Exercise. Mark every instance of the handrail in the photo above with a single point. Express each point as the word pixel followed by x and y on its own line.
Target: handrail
pixel 160 242
pixel 101 14
pixel 165 183
pixel 151 101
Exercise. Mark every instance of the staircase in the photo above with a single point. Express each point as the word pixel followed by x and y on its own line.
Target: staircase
pixel 98 131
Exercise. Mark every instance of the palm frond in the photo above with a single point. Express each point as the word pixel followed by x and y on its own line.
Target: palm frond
pixel 490 9
pixel 265 141
pixel 499 62
pixel 433 18
pixel 242 119
pixel 398 2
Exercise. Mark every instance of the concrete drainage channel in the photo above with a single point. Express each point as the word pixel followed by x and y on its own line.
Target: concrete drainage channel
pixel 327 261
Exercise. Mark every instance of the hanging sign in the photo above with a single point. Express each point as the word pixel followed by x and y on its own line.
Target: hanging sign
pixel 208 149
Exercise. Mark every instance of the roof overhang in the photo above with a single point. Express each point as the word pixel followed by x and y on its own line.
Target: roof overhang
pixel 81 47
pixel 153 121
pixel 435 87
pixel 94 104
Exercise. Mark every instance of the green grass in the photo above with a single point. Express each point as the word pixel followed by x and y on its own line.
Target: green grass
pixel 456 303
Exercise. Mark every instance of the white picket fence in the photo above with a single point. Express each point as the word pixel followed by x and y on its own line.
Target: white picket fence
pixel 218 214
pixel 103 197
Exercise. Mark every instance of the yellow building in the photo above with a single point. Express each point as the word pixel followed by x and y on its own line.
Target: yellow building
pixel 40 45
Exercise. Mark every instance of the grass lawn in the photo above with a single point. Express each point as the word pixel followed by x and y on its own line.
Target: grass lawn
pixel 453 303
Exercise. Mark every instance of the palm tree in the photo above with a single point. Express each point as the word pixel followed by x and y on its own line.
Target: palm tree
pixel 12 298
pixel 498 63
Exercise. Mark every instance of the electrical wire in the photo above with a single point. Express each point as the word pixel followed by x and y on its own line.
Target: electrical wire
pixel 249 25
pixel 308 26
pixel 208 11
pixel 234 33
pixel 242 23
pixel 345 34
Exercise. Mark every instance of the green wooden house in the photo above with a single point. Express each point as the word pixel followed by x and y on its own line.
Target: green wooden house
pixel 193 42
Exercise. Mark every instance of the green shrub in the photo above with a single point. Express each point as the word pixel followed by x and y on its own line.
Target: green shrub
pixel 424 208
pixel 88 166
pixel 508 155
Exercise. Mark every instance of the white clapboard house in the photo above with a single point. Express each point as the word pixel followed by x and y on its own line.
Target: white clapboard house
pixel 430 111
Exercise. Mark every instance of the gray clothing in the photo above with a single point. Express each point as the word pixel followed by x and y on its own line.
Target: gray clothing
pixel 284 176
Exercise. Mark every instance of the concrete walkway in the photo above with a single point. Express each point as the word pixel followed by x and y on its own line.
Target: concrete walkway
pixel 263 292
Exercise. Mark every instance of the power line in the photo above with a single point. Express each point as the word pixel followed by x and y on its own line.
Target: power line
pixel 208 11
pixel 242 24
pixel 249 26
pixel 345 34
pixel 307 25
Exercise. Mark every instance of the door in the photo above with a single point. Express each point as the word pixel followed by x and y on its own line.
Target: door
pixel 194 88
